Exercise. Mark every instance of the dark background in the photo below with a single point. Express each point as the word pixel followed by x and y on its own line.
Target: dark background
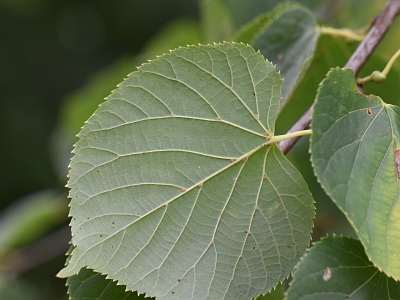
pixel 48 49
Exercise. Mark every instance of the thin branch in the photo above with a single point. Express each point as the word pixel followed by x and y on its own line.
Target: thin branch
pixel 356 61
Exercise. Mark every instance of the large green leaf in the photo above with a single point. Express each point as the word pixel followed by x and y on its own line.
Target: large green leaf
pixel 175 189
pixel 354 150
pixel 337 268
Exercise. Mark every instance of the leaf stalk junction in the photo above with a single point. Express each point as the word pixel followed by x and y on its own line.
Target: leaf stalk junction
pixel 279 138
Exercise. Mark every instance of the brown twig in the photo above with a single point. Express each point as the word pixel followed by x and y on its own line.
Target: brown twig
pixel 356 61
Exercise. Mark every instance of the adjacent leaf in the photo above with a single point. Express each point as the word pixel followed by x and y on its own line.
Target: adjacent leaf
pixel 248 32
pixel 30 218
pixel 89 285
pixel 337 268
pixel 276 294
pixel 330 52
pixel 290 42
pixel 216 21
pixel 244 11
pixel 354 150
pixel 175 192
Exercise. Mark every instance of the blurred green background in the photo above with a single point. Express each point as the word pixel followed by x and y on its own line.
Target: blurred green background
pixel 60 59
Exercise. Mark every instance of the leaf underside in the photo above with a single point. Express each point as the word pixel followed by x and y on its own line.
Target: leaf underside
pixel 174 191
pixel 337 268
pixel 353 149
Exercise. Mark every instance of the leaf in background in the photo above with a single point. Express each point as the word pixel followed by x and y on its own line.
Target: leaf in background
pixel 18 289
pixel 330 52
pixel 216 21
pixel 248 32
pixel 337 268
pixel 90 285
pixel 290 42
pixel 353 150
pixel 276 294
pixel 30 218
pixel 243 12
pixel 174 190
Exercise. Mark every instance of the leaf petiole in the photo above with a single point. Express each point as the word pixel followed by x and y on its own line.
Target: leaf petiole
pixel 278 138
pixel 343 32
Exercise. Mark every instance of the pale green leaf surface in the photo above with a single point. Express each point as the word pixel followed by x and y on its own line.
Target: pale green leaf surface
pixel 337 268
pixel 290 42
pixel 353 147
pixel 174 190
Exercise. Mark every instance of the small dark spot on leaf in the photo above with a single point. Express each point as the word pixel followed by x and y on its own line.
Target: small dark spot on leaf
pixel 179 280
pixel 112 222
pixel 254 93
pixel 173 293
pixel 101 235
pixel 369 111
